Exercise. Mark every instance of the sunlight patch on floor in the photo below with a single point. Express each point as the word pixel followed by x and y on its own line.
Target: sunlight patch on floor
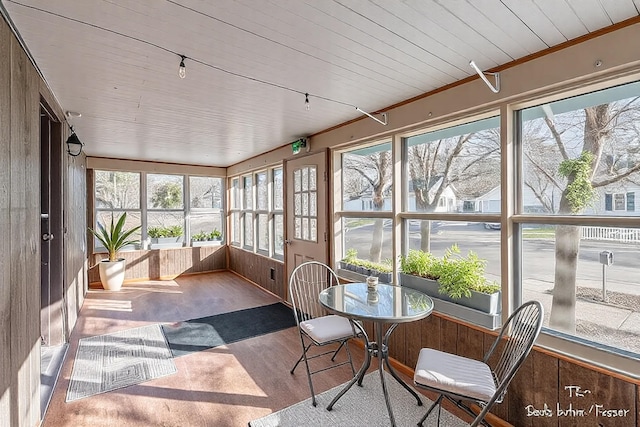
pixel 109 305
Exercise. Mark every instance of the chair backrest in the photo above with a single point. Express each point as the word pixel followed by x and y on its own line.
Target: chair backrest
pixel 515 341
pixel 306 282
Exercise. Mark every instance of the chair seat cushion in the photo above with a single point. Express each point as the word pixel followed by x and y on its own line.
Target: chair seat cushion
pixel 455 374
pixel 327 328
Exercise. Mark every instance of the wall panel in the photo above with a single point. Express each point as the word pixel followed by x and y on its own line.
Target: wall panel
pixel 165 263
pixel 6 379
pixel 24 237
pixel 257 268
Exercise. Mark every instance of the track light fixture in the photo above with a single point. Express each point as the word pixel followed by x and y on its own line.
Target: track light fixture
pixel 483 75
pixel 182 70
pixel 306 101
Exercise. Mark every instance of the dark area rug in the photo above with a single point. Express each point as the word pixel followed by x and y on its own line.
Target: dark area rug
pixel 212 331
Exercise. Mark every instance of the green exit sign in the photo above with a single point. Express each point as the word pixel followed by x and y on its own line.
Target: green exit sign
pixel 297 146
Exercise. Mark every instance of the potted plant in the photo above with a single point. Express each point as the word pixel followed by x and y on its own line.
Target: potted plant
pixel 348 262
pixel 206 239
pixel 165 237
pixel 452 278
pixel 215 235
pixel 199 237
pixel 365 268
pixel 113 239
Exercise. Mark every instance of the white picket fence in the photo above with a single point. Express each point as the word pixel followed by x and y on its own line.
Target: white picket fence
pixel 623 235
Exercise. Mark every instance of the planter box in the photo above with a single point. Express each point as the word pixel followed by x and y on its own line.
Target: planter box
pixel 491 304
pixel 198 243
pixel 362 273
pixel 166 242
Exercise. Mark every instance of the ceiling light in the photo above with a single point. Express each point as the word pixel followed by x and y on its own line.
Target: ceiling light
pixel 182 70
pixel 72 114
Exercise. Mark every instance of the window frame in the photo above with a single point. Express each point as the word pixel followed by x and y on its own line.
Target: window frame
pixel 144 208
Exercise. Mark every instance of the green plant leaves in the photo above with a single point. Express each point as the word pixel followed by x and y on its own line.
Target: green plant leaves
pixel 457 275
pixel 115 237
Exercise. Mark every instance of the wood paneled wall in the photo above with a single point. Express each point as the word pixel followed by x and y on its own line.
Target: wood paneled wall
pixel 165 263
pixel 545 378
pixel 5 227
pixel 258 269
pixel 75 237
pixel 20 228
pixel 21 91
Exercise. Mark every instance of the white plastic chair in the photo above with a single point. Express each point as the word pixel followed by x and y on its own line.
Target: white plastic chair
pixel 315 325
pixel 460 379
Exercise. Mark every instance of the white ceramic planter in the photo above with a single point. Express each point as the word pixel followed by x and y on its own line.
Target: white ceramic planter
pixel 112 274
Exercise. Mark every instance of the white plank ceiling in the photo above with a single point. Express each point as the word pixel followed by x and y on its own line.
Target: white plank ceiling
pixel 250 62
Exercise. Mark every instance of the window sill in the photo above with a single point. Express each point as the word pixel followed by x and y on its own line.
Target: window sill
pixel 625 364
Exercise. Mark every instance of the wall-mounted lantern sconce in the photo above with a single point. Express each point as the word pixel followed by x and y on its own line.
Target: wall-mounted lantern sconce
pixel 74 145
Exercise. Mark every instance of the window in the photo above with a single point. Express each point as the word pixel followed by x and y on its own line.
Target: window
pixel 278 214
pixel 247 212
pixel 257 217
pixel 165 208
pixel 262 212
pixel 116 193
pixel 161 204
pixel 206 208
pixel 451 169
pixel 368 239
pixel 568 150
pixel 620 202
pixel 235 209
pixel 305 210
pixel 366 180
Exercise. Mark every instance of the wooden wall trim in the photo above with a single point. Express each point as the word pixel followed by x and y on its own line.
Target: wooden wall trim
pixel 103 163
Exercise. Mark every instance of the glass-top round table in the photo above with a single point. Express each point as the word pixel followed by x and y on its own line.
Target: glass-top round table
pixel 388 304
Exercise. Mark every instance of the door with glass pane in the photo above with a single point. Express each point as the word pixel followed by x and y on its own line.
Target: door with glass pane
pixel 306 210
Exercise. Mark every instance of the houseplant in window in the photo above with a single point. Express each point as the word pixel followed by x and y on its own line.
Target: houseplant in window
pixel 215 235
pixel 453 278
pixel 113 238
pixel 206 239
pixel 165 237
pixel 381 270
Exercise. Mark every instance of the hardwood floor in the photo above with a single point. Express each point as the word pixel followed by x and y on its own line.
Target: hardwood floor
pixel 223 386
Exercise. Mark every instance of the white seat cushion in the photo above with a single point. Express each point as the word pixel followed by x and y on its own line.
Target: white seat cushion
pixel 327 328
pixel 454 374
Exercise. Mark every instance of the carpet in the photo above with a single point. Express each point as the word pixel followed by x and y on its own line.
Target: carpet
pixel 109 362
pixel 359 407
pixel 212 331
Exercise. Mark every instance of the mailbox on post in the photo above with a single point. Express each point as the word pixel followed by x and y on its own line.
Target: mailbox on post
pixel 606 257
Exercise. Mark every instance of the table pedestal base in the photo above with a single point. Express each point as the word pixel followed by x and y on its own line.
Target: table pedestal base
pixel 379 349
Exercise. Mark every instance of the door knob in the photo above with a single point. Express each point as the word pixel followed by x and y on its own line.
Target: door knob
pixel 47 236
pixel 288 242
